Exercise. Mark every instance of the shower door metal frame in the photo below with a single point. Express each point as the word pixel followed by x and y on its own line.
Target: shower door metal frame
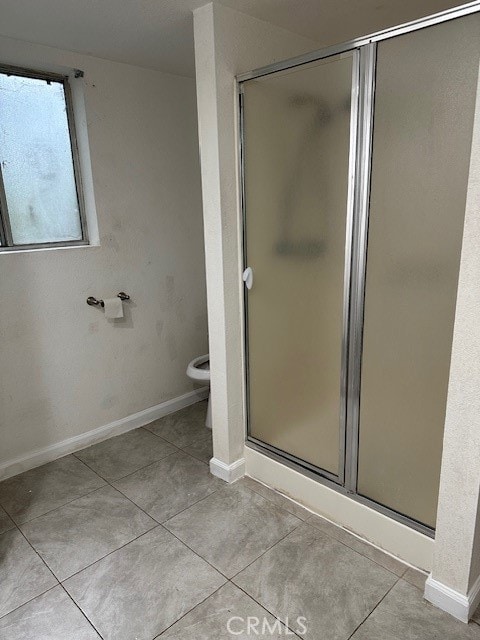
pixel 337 479
pixel 361 133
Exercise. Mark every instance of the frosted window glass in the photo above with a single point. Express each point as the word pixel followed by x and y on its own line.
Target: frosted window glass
pixel 297 128
pixel 424 106
pixel 36 160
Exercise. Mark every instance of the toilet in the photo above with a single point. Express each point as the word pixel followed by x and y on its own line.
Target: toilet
pixel 198 370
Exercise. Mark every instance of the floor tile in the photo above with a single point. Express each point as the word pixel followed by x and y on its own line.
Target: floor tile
pixel 85 530
pixel 182 427
pixel 226 614
pixel 276 498
pixel 169 486
pixel 39 490
pixel 52 616
pixel 201 449
pixel 144 587
pixel 310 574
pixel 476 616
pixel 405 615
pixel 6 523
pixel 119 456
pixel 232 527
pixel 417 578
pixel 23 574
pixel 367 550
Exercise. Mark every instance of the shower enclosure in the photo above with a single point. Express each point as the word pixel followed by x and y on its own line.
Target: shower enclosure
pixel 354 166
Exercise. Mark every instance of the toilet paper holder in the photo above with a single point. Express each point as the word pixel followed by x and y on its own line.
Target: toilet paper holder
pixel 93 302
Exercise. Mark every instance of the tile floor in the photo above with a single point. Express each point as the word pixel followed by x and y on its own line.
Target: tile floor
pixel 133 539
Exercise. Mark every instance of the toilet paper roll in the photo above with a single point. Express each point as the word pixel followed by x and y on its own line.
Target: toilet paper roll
pixel 113 308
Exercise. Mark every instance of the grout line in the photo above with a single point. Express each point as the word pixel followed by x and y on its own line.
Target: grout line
pixel 29 601
pixel 332 537
pixel 267 550
pixel 300 522
pixel 277 506
pixel 169 517
pixel 84 495
pixel 374 608
pixel 366 542
pixel 110 480
pixel 227 579
pixel 265 608
pixel 110 553
pixel 154 526
pixel 281 495
pixel 189 611
pixel 81 611
pixel 106 484
pixel 44 563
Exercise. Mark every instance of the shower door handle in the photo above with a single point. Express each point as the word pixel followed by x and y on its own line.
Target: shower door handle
pixel 247 277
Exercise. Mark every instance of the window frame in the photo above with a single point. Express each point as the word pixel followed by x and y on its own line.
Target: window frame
pixel 6 239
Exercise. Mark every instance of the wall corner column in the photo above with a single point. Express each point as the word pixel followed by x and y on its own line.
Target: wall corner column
pixel 454 583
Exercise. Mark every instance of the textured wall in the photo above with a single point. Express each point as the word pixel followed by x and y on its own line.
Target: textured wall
pixel 65 369
pixel 457 545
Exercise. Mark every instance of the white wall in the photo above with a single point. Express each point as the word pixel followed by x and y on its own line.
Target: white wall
pixel 65 369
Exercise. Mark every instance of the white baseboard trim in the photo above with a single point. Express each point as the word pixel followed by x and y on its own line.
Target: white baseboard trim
pixel 41 456
pixel 228 472
pixel 456 604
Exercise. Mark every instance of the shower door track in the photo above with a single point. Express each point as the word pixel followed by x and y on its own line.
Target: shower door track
pixel 363 95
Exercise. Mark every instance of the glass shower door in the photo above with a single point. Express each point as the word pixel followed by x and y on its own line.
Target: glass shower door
pixel 296 145
pixel 426 84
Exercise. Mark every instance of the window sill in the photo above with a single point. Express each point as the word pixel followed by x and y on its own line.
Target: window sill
pixel 10 252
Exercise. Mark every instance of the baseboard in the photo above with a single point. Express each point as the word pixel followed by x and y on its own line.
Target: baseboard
pixel 406 544
pixel 228 472
pixel 456 604
pixel 38 457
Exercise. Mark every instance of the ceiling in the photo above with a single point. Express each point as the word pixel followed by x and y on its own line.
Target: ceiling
pixel 159 33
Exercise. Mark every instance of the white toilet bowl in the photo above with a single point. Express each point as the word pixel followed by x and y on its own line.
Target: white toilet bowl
pixel 198 370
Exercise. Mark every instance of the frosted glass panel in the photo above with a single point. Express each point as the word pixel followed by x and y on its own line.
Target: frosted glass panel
pixel 296 128
pixel 36 159
pixel 424 105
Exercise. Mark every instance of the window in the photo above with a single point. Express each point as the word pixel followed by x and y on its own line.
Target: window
pixel 40 192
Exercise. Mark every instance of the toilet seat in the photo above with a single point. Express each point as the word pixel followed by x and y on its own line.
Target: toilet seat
pixel 195 370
